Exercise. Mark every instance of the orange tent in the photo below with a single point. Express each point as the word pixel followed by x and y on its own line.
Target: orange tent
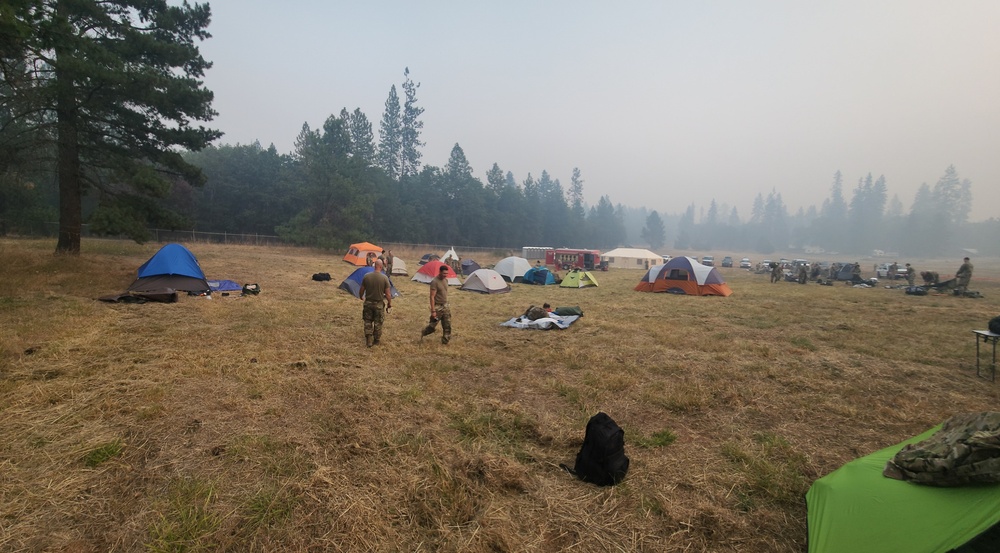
pixel 358 253
pixel 684 275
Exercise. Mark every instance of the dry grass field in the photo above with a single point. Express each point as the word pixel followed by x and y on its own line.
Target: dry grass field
pixel 264 424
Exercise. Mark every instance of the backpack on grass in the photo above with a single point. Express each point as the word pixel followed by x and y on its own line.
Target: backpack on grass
pixel 250 290
pixel 994 325
pixel 602 459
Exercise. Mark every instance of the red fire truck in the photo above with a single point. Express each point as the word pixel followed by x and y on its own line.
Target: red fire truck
pixel 565 259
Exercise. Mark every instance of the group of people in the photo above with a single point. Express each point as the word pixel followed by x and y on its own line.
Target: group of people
pixel 963 276
pixel 377 293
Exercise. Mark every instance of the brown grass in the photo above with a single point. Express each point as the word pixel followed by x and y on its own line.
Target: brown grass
pixel 263 424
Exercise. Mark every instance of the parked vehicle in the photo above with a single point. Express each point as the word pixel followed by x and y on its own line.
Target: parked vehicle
pixel 745 263
pixel 708 260
pixel 882 271
pixel 727 261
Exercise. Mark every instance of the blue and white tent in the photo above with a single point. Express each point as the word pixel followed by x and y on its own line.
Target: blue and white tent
pixel 538 275
pixel 352 283
pixel 173 267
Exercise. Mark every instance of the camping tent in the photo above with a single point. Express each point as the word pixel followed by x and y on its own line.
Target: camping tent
pixel 450 254
pixel 357 254
pixel 399 267
pixel 538 275
pixel 578 278
pixel 173 267
pixel 856 509
pixel 684 275
pixel 631 258
pixel 352 283
pixel 512 268
pixel 469 266
pixel 429 272
pixel 427 257
pixel 486 281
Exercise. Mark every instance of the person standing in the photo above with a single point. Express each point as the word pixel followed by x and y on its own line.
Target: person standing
pixel 964 275
pixel 911 274
pixel 440 310
pixel 775 272
pixel 388 263
pixel 891 273
pixel 377 293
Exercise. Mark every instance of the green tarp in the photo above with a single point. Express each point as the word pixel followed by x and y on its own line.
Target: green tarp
pixel 855 509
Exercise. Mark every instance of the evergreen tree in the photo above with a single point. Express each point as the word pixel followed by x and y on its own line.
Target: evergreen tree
pixel 362 139
pixel 390 137
pixel 115 88
pixel 410 129
pixel 654 233
pixel 576 195
pixel 495 180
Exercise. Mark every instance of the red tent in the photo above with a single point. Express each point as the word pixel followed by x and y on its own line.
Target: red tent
pixel 429 272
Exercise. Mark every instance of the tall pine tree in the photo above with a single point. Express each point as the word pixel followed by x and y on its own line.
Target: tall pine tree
pixel 115 88
pixel 410 129
pixel 391 137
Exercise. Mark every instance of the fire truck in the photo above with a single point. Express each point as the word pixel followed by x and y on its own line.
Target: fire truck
pixel 566 259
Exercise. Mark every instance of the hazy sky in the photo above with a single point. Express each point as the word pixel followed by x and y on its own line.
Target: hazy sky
pixel 659 103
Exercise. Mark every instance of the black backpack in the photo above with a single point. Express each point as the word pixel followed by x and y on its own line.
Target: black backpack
pixel 994 325
pixel 602 459
pixel 321 277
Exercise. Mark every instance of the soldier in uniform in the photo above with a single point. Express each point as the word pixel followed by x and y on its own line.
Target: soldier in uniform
pixel 803 273
pixel 891 273
pixel 388 263
pixel 964 275
pixel 440 311
pixel 377 293
pixel 911 274
pixel 856 273
pixel 775 272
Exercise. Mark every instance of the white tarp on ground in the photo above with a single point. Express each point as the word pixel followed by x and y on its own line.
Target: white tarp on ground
pixel 544 323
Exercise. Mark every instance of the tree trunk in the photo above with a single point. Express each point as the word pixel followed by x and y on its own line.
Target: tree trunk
pixel 68 160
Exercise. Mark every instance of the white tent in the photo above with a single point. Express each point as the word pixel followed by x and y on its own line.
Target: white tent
pixel 486 281
pixel 631 258
pixel 450 254
pixel 399 267
pixel 512 268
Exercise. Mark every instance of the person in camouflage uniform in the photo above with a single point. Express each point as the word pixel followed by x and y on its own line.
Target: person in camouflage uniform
pixel 376 290
pixel 388 263
pixel 964 275
pixel 775 272
pixel 911 274
pixel 440 310
pixel 803 273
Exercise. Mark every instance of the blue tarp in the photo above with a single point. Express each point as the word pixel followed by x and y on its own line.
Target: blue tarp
pixel 224 286
pixel 352 283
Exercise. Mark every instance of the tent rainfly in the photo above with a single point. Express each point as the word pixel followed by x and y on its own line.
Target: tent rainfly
pixel 357 254
pixel 469 266
pixel 352 283
pixel 578 278
pixel 399 267
pixel 512 268
pixel 173 267
pixel 855 508
pixel 486 281
pixel 429 271
pixel 684 275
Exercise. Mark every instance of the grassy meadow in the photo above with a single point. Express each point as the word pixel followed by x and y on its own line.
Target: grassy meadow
pixel 264 424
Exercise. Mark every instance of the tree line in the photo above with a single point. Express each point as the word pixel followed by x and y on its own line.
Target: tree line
pixel 101 112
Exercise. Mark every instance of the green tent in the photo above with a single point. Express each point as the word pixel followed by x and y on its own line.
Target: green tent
pixel 855 509
pixel 578 278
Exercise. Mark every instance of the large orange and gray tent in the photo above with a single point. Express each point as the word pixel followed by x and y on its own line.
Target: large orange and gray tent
pixel 684 275
pixel 358 253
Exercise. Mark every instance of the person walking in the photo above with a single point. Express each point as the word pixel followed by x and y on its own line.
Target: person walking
pixel 964 275
pixel 440 310
pixel 775 272
pixel 377 293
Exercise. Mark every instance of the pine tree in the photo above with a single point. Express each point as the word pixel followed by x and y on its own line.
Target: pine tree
pixel 390 137
pixel 576 195
pixel 115 88
pixel 654 233
pixel 410 129
pixel 362 140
